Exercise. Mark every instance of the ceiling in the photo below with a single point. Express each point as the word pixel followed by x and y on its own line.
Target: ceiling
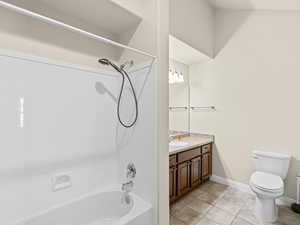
pixel 289 5
pixel 184 53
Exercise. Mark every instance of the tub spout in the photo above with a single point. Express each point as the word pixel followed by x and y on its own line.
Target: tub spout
pixel 128 186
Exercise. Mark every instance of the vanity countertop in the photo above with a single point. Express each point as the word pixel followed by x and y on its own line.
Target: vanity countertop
pixel 193 141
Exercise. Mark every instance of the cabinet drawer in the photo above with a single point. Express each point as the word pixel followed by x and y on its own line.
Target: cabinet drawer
pixel 188 155
pixel 206 148
pixel 172 160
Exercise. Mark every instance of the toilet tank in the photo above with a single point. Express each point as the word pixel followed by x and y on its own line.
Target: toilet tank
pixel 270 162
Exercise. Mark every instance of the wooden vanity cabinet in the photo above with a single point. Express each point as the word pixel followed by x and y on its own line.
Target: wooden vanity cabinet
pixel 206 162
pixel 183 178
pixel 172 183
pixel 196 171
pixel 188 169
pixel 172 177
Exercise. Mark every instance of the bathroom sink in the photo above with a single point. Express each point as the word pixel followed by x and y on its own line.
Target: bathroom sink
pixel 177 143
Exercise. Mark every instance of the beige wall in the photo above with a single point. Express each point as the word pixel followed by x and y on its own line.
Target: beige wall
pixel 192 21
pixel 254 84
pixel 179 97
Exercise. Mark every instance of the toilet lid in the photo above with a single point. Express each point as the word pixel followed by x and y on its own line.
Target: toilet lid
pixel 266 181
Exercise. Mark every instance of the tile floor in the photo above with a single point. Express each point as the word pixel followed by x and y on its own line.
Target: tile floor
pixel 218 204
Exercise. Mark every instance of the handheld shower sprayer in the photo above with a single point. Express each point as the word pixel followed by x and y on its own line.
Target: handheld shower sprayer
pixel 105 62
pixel 123 73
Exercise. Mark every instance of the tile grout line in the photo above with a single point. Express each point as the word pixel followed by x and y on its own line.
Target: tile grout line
pixel 213 204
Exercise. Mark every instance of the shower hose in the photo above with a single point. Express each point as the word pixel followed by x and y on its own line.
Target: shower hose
pixel 124 75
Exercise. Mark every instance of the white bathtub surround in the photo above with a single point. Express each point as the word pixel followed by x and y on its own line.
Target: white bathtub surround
pixel 104 207
pixel 68 127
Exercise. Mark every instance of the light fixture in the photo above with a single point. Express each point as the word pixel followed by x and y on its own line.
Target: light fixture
pixel 180 78
pixel 171 77
pixel 175 77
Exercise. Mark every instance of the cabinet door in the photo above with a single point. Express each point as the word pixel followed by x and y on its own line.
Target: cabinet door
pixel 172 183
pixel 183 181
pixel 196 171
pixel 206 165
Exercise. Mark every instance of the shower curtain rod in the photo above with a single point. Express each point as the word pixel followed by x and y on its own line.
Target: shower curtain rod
pixel 67 26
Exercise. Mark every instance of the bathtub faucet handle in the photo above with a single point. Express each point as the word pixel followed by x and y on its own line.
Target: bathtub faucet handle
pixel 131 171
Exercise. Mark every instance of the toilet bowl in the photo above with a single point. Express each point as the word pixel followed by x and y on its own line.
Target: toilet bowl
pixel 267 183
pixel 267 187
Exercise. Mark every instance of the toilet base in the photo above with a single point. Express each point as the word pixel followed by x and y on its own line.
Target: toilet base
pixel 266 210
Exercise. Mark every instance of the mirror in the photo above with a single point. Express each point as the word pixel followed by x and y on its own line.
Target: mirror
pixel 178 96
pixel 184 71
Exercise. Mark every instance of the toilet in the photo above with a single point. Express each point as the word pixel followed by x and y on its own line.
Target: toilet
pixel 267 183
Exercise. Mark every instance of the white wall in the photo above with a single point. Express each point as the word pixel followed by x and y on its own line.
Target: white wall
pixel 179 97
pixel 192 21
pixel 254 84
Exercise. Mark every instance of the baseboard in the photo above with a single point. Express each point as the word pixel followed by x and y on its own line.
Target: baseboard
pixel 284 200
pixel 234 184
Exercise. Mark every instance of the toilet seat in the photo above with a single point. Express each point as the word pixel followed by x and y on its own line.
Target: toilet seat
pixel 267 182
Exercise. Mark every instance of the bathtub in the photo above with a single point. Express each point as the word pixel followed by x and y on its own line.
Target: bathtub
pixel 97 208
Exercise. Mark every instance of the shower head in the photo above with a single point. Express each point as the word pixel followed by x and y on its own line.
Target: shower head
pixel 101 90
pixel 104 62
pixel 107 62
